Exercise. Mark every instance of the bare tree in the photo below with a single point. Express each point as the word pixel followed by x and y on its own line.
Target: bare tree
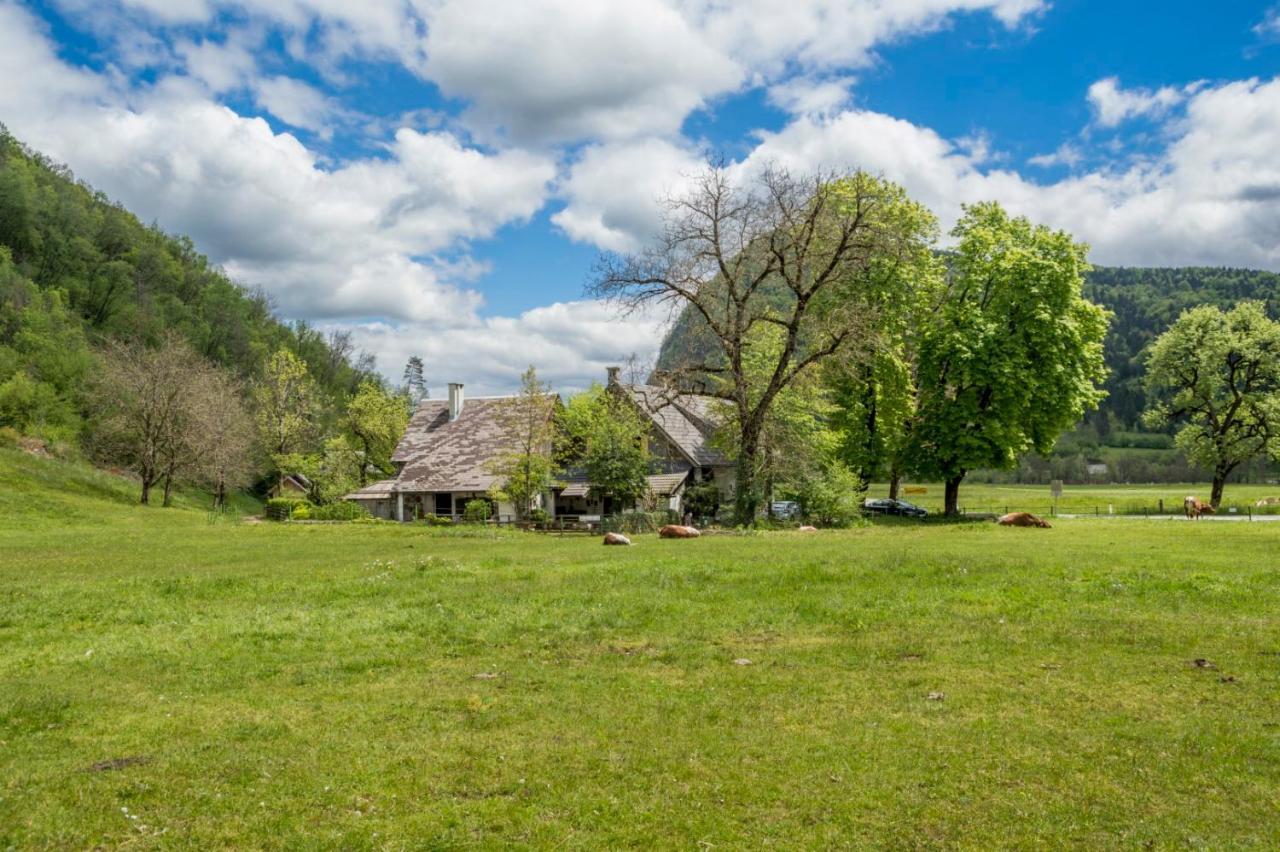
pixel 223 435
pixel 171 415
pixel 794 253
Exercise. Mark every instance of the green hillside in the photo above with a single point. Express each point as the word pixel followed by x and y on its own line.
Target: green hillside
pixel 39 491
pixel 77 270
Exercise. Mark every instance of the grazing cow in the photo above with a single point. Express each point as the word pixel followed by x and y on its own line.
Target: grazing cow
pixel 1194 507
pixel 1022 519
pixel 616 538
pixel 807 528
pixel 677 531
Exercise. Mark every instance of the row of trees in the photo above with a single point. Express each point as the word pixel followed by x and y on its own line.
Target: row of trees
pixel 173 416
pixel 847 347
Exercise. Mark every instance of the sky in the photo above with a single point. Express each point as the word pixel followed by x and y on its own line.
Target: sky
pixel 438 176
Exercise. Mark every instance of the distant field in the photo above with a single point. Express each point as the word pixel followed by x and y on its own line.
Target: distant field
pixel 391 687
pixel 1082 499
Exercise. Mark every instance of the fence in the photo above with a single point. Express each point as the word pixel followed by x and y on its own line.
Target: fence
pixel 1111 510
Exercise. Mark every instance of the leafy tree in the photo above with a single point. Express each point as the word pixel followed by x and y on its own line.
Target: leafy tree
pixel 528 418
pixel 333 472
pixel 285 399
pixel 415 381
pixel 796 444
pixel 376 419
pixel 1013 356
pixel 1217 375
pixel 607 438
pixel 800 254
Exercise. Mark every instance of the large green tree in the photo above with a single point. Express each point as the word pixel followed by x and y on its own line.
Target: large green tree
pixel 1012 356
pixel 1216 375
pixel 376 419
pixel 605 436
pixel 286 407
pixel 797 253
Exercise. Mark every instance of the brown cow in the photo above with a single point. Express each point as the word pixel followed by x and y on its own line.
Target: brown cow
pixel 1022 519
pixel 677 531
pixel 616 538
pixel 1194 507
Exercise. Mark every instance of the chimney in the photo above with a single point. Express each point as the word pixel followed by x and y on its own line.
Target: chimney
pixel 455 400
pixel 613 375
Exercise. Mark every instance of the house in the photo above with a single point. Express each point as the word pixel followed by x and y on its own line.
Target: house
pixel 679 443
pixel 444 458
pixel 291 485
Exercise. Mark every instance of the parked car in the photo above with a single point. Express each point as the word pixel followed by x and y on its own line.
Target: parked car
pixel 786 510
pixel 887 506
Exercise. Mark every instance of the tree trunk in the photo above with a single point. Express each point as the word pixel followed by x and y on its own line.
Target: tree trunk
pixel 1219 481
pixel 168 490
pixel 220 494
pixel 952 499
pixel 895 480
pixel 745 499
pixel 146 490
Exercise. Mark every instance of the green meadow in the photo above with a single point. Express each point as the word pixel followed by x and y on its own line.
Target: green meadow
pixel 170 679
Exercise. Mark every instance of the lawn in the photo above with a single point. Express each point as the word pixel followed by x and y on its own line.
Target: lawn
pixel 392 687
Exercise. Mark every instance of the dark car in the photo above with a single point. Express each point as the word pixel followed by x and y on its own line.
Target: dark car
pixel 893 507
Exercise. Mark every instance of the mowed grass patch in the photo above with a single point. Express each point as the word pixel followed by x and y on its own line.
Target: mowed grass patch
pixel 369 686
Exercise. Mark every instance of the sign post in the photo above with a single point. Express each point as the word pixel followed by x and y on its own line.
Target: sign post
pixel 1055 489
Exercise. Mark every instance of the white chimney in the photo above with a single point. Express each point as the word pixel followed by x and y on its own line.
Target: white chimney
pixel 455 400
pixel 613 374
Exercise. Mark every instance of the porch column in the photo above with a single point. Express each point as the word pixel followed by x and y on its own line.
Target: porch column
pixel 399 506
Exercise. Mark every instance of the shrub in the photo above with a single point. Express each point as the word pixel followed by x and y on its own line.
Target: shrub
pixel 437 520
pixel 8 436
pixel 301 512
pixel 477 511
pixel 343 510
pixel 638 521
pixel 539 517
pixel 282 508
pixel 702 500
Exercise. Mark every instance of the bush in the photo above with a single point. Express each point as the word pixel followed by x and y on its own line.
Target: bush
pixel 477 511
pixel 343 510
pixel 437 520
pixel 538 517
pixel 702 500
pixel 8 436
pixel 301 512
pixel 283 508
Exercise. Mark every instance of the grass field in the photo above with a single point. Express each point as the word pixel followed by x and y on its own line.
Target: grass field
pixel 392 687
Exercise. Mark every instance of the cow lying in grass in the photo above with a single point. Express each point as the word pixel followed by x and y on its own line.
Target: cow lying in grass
pixel 677 531
pixel 1021 519
pixel 1194 507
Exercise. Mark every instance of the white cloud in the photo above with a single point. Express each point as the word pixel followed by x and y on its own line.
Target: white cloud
pixel 811 96
pixel 570 343
pixel 561 69
pixel 1066 154
pixel 1269 26
pixel 297 104
pixel 614 191
pixel 1114 105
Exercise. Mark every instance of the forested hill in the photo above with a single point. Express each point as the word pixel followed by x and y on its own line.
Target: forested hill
pixel 1145 302
pixel 77 270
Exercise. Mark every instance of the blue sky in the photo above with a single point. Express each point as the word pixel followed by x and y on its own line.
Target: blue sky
pixel 438 175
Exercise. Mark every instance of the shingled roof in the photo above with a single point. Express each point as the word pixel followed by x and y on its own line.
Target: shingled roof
pixel 686 419
pixel 440 454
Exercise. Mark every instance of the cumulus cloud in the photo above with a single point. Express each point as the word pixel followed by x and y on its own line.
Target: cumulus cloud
pixel 1113 105
pixel 614 191
pixel 570 343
